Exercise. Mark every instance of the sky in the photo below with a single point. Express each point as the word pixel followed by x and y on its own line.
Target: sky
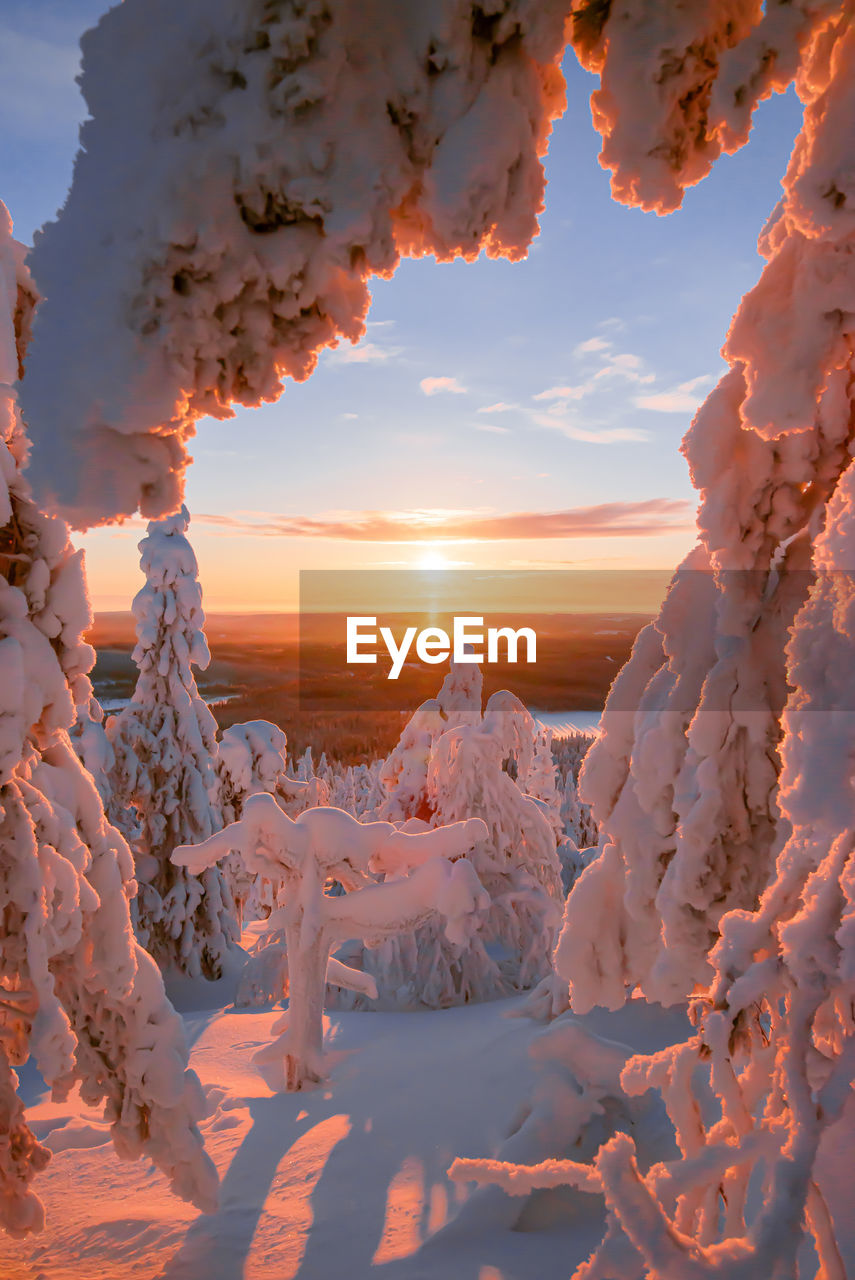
pixel 496 415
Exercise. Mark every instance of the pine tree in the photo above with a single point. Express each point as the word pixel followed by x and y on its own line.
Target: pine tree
pixel 76 994
pixel 165 749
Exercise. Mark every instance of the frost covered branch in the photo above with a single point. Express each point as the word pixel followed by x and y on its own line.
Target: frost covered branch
pixel 246 170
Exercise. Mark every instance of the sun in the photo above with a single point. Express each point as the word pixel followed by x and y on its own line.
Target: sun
pixel 432 559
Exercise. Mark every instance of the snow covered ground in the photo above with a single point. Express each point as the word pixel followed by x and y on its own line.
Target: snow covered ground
pixel 348 1181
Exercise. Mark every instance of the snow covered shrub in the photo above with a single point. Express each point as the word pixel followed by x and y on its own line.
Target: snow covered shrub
pixel 577 1104
pixel 297 795
pixel 252 758
pixel 450 765
pixel 328 844
pixel 541 781
pixel 76 994
pixel 165 748
pixel 518 864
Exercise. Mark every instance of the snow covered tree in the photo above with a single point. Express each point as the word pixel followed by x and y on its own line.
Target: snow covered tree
pixel 404 774
pixel 685 775
pixel 165 749
pixel 76 994
pixel 325 844
pixel 576 816
pixel 541 781
pixel 252 758
pixel 724 774
pixel 449 766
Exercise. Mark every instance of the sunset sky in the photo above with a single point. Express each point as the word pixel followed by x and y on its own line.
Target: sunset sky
pixel 495 415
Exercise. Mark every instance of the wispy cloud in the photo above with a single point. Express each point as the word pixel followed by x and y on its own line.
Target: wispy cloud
pixel 607 520
pixel 432 386
pixel 492 427
pixel 624 364
pixel 499 407
pixel 363 353
pixel 684 398
pixel 591 345
pixel 587 433
pixel 564 393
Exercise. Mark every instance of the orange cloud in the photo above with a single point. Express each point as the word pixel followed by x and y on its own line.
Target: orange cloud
pixel 607 520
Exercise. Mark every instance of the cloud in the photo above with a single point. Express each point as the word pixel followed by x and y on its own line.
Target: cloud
pixel 431 386
pixel 591 345
pixel 493 427
pixel 498 407
pixel 614 366
pixel 362 353
pixel 588 434
pixel 607 520
pixel 626 365
pixel 564 393
pixel 705 380
pixel 624 362
pixel 684 398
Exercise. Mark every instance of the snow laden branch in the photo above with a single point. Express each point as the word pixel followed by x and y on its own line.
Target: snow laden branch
pixel 679 82
pixel 246 170
pixel 77 996
pixel 325 844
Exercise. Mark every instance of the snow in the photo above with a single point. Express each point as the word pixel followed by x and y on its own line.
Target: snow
pixel 325 844
pixel 350 1180
pixel 448 766
pixel 77 995
pixel 266 210
pixel 223 225
pixel 164 774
